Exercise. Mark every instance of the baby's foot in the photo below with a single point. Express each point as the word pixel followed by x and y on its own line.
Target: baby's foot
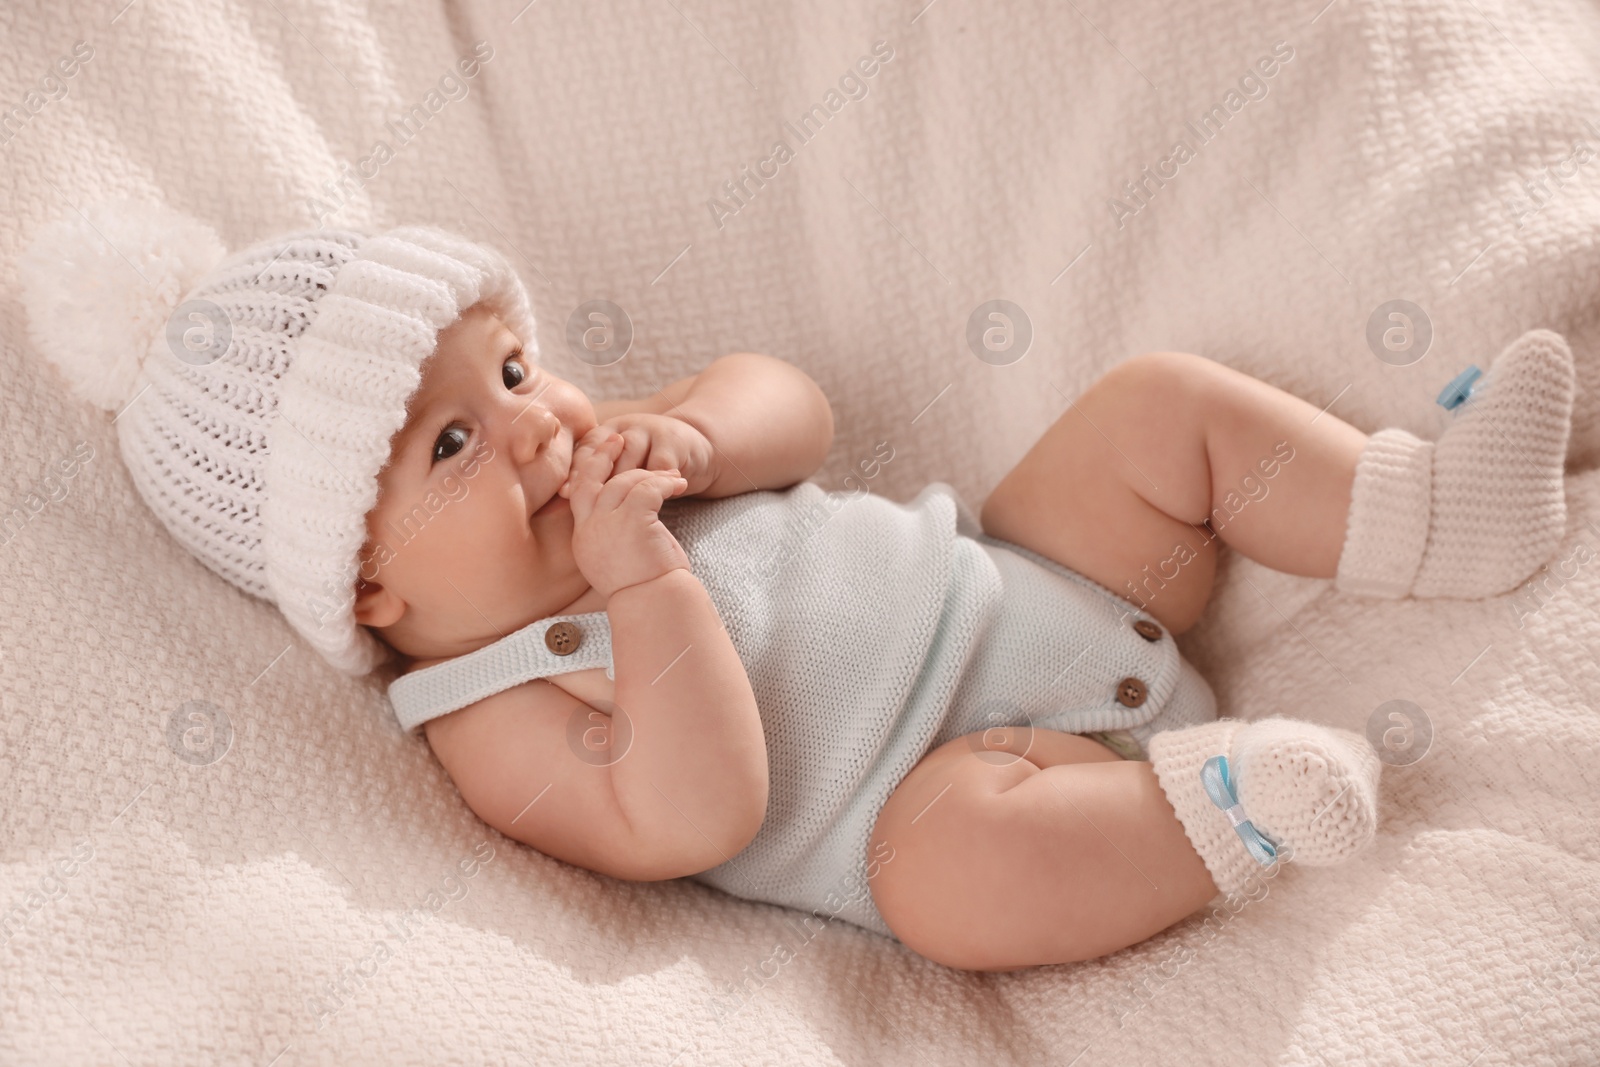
pixel 1499 505
pixel 1311 791
pixel 1312 787
pixel 1476 512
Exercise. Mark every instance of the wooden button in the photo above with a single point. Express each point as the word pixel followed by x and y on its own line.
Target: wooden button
pixel 563 638
pixel 1147 630
pixel 1130 692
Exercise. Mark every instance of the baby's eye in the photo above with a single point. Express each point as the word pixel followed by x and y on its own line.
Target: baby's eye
pixel 512 371
pixel 451 435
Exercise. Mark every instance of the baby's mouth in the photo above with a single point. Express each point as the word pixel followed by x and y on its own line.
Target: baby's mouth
pixel 551 506
pixel 555 503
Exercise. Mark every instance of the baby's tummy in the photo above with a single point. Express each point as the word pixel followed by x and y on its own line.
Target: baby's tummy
pixel 829 599
pixel 838 607
pixel 850 700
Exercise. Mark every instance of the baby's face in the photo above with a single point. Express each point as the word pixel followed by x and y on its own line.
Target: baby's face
pixel 469 539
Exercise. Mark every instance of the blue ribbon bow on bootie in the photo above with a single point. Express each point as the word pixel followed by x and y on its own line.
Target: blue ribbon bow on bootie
pixel 1459 389
pixel 1214 776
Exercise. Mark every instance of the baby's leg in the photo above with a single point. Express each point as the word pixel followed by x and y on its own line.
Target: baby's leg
pixel 1062 851
pixel 1065 853
pixel 1168 452
pixel 1164 454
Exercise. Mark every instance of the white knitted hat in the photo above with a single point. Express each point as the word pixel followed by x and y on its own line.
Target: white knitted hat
pixel 256 394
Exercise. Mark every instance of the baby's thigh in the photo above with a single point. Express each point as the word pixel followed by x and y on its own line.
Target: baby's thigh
pixel 938 832
pixel 1083 494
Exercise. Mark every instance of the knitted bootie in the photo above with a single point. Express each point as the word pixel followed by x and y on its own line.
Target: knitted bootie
pixel 1311 790
pixel 1478 511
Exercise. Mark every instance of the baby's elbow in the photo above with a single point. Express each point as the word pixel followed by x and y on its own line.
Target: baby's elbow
pixel 657 856
pixel 755 817
pixel 655 863
pixel 755 788
pixel 826 421
pixel 812 436
pixel 821 420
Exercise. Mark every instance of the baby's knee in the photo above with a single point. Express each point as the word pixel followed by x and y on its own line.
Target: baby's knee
pixel 1159 372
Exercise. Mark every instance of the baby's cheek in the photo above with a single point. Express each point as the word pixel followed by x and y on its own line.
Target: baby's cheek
pixel 454 487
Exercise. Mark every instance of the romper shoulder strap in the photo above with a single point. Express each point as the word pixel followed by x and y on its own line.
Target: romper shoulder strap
pixel 555 645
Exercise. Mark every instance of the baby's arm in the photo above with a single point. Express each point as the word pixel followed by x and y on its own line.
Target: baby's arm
pixel 685 792
pixel 691 785
pixel 768 423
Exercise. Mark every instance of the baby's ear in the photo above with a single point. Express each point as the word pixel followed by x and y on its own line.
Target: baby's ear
pixel 376 606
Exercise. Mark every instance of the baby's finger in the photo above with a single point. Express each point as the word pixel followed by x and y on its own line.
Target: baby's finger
pixel 579 469
pixel 650 493
pixel 591 467
pixel 636 443
pixel 619 490
pixel 664 457
pixel 599 454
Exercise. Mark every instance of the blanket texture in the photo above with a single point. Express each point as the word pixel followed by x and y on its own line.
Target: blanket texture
pixel 214 849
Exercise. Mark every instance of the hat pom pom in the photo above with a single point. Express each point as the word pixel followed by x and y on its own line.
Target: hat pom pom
pixel 99 287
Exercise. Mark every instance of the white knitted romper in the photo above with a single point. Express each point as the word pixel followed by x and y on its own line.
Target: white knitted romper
pixel 871 632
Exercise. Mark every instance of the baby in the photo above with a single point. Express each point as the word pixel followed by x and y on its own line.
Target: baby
pixel 641 642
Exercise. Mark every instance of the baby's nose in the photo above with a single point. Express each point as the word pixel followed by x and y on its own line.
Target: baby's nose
pixel 533 430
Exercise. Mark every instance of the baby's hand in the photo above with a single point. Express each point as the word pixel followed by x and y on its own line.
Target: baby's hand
pixel 617 538
pixel 665 442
